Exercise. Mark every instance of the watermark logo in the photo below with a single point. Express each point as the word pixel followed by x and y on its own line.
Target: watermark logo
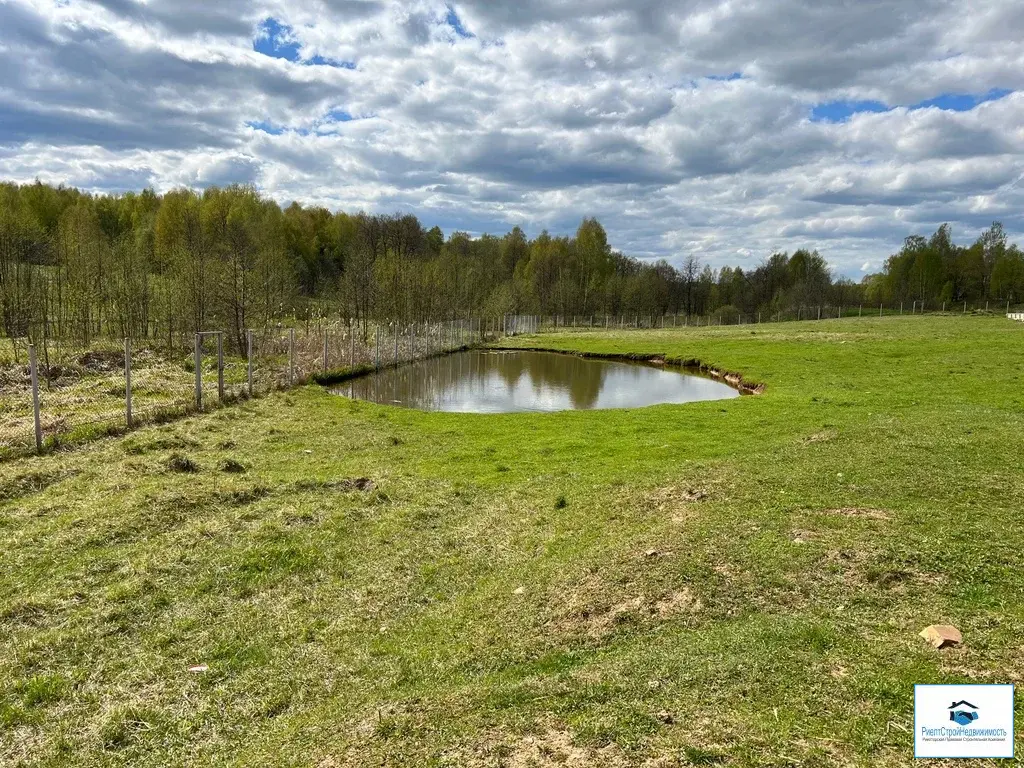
pixel 978 723
pixel 963 712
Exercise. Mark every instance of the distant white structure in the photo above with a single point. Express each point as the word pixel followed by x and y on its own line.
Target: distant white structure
pixel 1016 316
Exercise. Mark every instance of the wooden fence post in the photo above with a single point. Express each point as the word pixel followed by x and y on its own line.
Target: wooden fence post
pixel 34 372
pixel 220 366
pixel 198 360
pixel 291 357
pixel 248 357
pixel 128 383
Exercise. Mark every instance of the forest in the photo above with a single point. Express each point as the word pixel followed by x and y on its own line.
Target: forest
pixel 139 265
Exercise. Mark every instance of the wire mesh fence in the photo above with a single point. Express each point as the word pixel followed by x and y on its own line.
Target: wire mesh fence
pixel 729 315
pixel 54 393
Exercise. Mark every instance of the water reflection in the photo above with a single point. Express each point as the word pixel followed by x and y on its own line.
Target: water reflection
pixel 483 381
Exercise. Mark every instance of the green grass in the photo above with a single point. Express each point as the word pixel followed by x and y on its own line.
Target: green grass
pixel 725 583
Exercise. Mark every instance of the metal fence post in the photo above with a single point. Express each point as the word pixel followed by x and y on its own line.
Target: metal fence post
pixel 248 355
pixel 199 371
pixel 220 366
pixel 351 346
pixel 396 342
pixel 128 383
pixel 34 372
pixel 291 357
pixel 325 351
pixel 376 362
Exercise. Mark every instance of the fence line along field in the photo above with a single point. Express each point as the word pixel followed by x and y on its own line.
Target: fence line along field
pixel 83 391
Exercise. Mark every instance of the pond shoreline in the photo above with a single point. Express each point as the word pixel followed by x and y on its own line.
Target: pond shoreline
pixel 489 381
pixel 733 379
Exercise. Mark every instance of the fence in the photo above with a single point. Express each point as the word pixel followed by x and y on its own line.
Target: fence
pixel 53 393
pixel 732 316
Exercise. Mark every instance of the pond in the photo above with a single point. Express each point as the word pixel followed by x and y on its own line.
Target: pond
pixel 493 381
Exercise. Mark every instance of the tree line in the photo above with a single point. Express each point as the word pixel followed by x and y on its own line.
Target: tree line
pixel 76 265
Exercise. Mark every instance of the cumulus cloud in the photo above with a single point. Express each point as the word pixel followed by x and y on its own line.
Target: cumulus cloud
pixel 717 128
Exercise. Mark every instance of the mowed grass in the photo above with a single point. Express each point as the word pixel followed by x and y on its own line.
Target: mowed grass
pixel 733 583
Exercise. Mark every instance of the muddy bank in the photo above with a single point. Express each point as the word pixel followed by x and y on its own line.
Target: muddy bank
pixel 731 378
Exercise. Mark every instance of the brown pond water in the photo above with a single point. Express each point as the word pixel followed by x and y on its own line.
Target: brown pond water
pixel 491 381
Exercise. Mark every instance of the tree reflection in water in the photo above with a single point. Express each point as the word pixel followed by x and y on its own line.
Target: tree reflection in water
pixel 482 381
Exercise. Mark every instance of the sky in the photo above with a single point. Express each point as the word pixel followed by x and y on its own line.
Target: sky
pixel 725 130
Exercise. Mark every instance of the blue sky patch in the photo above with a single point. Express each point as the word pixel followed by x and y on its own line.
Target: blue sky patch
pixel 727 78
pixel 265 126
pixel 319 60
pixel 274 39
pixel 962 102
pixel 277 40
pixel 452 20
pixel 840 111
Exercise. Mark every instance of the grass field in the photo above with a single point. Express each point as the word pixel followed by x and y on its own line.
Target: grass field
pixel 733 583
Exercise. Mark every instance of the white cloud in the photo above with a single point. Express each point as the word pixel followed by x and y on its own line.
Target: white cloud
pixel 549 111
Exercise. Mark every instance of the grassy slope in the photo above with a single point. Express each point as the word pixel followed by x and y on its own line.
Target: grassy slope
pixel 460 614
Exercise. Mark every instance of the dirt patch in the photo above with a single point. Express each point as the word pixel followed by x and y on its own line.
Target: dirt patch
pixel 875 571
pixel 675 603
pixel 552 745
pixel 556 748
pixel 677 494
pixel 595 609
pixel 677 501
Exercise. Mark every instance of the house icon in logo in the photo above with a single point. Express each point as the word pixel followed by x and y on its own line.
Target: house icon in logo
pixel 963 712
